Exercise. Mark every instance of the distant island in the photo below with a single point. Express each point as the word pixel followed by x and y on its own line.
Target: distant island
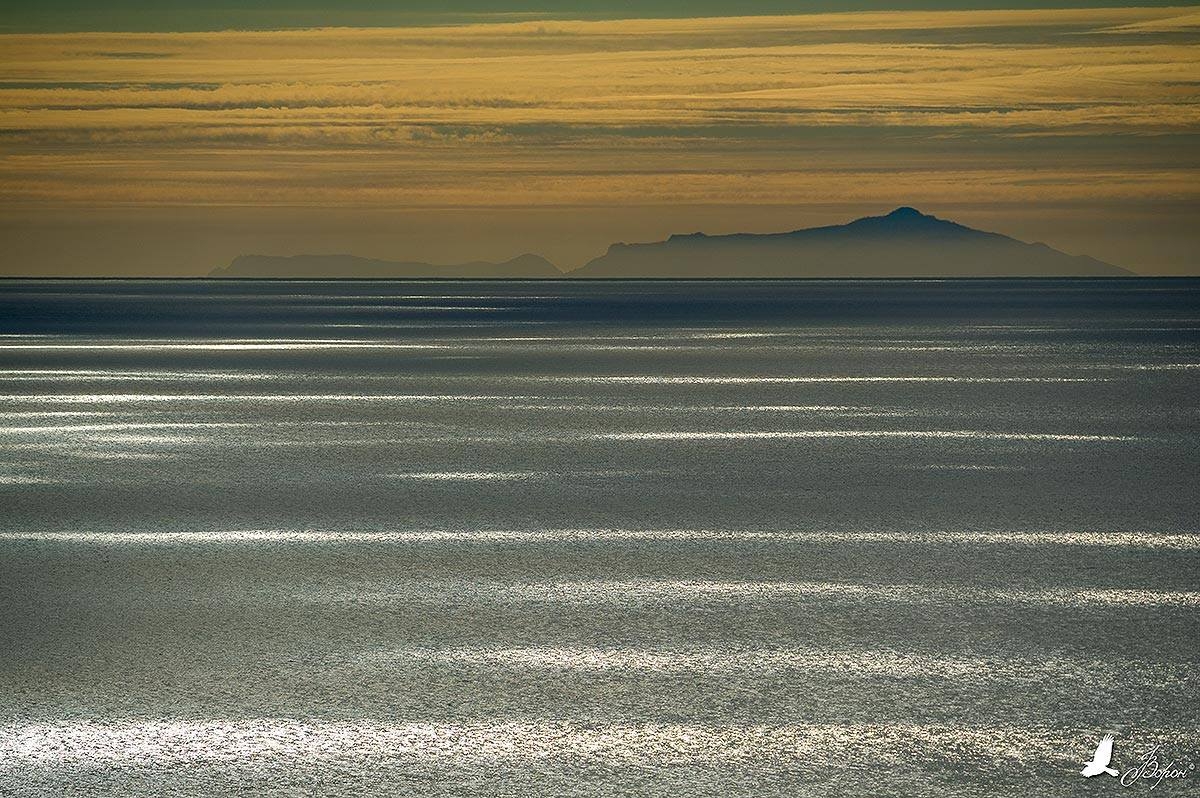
pixel 904 243
pixel 321 266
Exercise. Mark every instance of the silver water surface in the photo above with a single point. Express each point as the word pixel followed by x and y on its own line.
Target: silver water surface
pixel 502 538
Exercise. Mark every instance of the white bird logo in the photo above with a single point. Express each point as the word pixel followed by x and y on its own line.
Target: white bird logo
pixel 1100 759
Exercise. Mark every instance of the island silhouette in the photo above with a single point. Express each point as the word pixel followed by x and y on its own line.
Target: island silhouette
pixel 903 243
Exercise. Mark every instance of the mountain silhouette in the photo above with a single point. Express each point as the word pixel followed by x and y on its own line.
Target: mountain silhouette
pixel 904 243
pixel 325 266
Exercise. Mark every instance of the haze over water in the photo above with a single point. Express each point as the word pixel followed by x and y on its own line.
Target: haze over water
pixel 654 538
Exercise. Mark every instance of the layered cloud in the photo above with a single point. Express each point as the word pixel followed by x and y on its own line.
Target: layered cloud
pixel 1016 106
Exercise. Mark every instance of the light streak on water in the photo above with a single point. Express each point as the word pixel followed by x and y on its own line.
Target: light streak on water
pixel 112 398
pixel 748 435
pixel 1116 539
pixel 695 379
pixel 742 662
pixel 295 742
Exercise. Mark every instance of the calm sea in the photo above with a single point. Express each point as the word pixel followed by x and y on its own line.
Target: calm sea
pixel 608 538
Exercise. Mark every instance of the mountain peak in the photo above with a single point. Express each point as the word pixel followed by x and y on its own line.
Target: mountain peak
pixel 530 259
pixel 907 212
pixel 907 221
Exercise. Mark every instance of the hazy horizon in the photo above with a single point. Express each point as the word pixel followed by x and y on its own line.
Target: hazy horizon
pixel 901 243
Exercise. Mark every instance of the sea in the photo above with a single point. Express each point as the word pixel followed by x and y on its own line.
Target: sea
pixel 598 538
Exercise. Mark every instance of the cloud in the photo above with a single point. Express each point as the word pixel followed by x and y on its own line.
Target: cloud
pixel 545 112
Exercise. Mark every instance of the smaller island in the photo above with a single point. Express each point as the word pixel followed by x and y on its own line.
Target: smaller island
pixel 318 267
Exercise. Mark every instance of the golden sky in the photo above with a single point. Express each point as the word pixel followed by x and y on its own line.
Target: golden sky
pixel 171 153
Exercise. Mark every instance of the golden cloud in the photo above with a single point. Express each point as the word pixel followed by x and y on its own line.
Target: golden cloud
pixel 751 109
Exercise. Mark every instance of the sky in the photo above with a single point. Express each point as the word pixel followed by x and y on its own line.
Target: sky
pixel 167 138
